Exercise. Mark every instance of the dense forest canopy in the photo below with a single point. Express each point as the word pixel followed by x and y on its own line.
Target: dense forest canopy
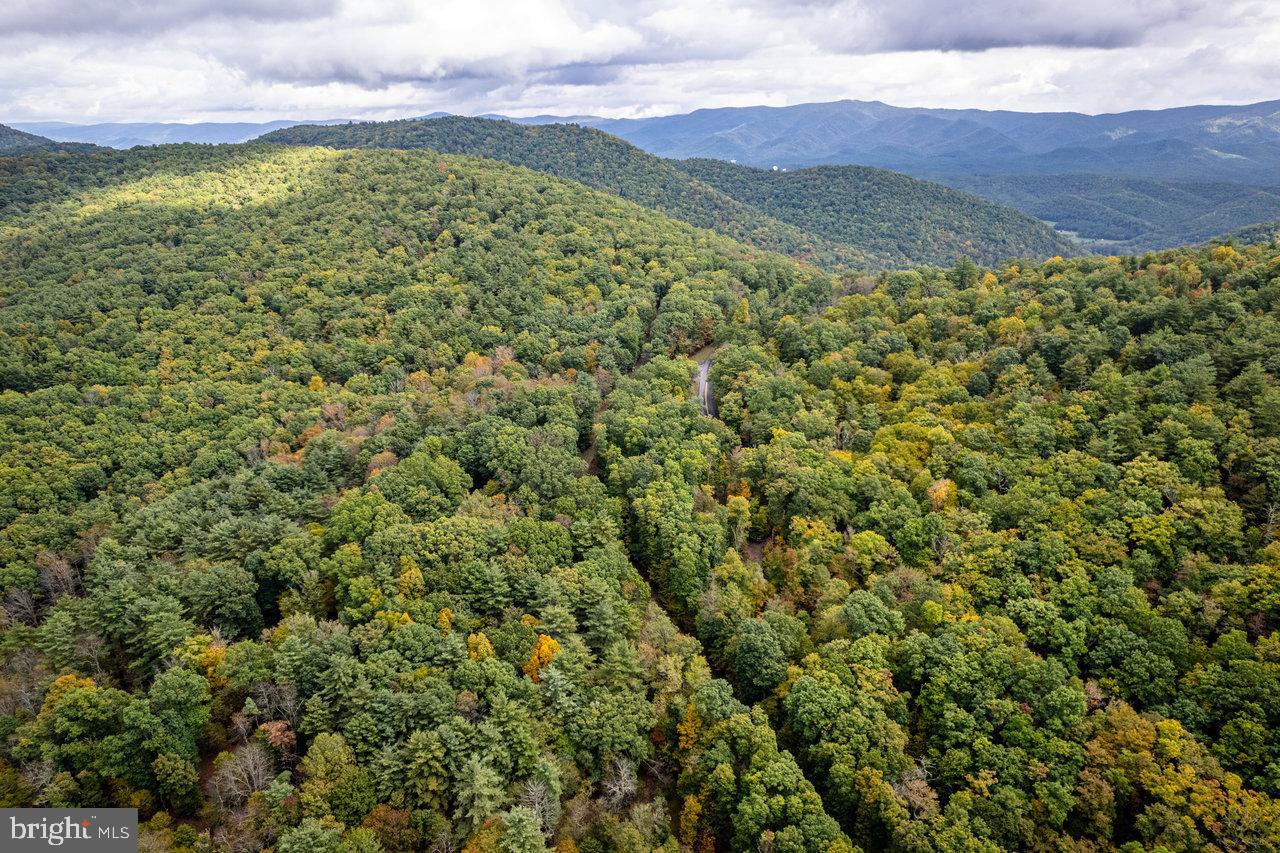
pixel 359 501
pixel 863 219
pixel 1142 180
pixel 894 215
pixel 596 159
pixel 1113 214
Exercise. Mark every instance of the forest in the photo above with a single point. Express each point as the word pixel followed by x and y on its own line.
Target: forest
pixel 1113 214
pixel 901 218
pixel 1113 183
pixel 359 500
pixel 837 218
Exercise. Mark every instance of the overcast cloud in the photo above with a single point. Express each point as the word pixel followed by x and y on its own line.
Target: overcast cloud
pixel 224 60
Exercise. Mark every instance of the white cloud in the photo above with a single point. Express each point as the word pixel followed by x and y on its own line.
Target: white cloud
pixel 256 59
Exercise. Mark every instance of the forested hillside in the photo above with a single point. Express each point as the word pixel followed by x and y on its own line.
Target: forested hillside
pixel 892 214
pixel 359 501
pixel 346 398
pixel 885 220
pixel 1263 232
pixel 1128 214
pixel 600 161
pixel 1147 179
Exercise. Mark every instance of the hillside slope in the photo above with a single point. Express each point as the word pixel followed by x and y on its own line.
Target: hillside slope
pixel 892 214
pixel 596 159
pixel 345 396
pixel 604 162
pixel 1262 232
pixel 360 501
pixel 1141 180
pixel 1129 214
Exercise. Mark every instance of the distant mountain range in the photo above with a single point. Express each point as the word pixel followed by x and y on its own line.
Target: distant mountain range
pixel 132 134
pixel 1238 143
pixel 846 216
pixel 1128 181
pixel 1198 143
pixel 17 142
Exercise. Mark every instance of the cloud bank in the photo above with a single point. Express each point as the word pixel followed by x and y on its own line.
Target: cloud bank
pixel 137 60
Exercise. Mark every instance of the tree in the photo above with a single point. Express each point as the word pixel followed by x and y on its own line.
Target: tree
pixel 426 485
pixel 480 793
pixel 758 658
pixel 335 786
pixel 521 832
pixel 311 836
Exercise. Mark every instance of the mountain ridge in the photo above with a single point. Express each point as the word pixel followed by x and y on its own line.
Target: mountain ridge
pixel 1009 156
pixel 896 214
pixel 603 161
pixel 722 132
pixel 355 496
pixel 1172 149
pixel 134 134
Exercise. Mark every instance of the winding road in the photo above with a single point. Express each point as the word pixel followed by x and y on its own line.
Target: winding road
pixel 702 382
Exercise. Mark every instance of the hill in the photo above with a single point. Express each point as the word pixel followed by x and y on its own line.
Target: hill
pixel 1263 232
pixel 16 142
pixel 243 367
pixel 1140 180
pixel 596 159
pixel 1129 214
pixel 893 215
pixel 604 162
pixel 359 500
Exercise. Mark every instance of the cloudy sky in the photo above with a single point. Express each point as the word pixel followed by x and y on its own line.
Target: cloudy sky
pixel 223 60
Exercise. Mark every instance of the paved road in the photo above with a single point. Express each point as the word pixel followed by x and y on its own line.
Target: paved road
pixel 702 387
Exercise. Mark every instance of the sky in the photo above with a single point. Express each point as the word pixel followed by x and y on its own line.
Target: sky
pixel 255 60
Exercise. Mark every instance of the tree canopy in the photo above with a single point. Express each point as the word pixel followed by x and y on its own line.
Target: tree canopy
pixel 360 500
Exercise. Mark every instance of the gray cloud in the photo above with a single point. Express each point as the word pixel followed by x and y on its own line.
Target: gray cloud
pixel 193 59
pixel 871 26
pixel 582 74
pixel 143 17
